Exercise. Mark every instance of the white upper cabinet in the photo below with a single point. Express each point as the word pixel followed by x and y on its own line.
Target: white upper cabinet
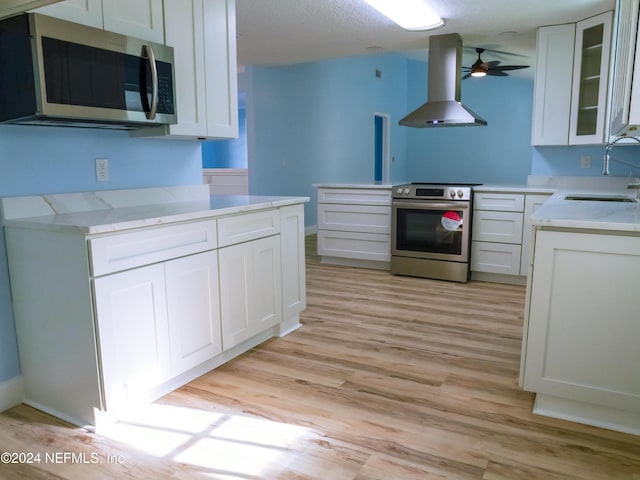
pixel 141 18
pixel 203 36
pixel 590 80
pixel 13 7
pixel 570 96
pixel 86 12
pixel 625 88
pixel 552 85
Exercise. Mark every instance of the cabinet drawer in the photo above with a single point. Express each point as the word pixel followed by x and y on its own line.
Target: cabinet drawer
pixel 501 258
pixel 506 202
pixel 128 250
pixel 503 227
pixel 242 228
pixel 354 218
pixel 363 246
pixel 355 196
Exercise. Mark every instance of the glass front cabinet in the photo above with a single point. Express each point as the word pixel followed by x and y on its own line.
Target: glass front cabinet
pixel 590 76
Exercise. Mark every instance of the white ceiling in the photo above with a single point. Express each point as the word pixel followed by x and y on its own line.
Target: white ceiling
pixel 279 32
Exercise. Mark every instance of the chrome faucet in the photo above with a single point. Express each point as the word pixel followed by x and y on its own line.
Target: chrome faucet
pixel 607 159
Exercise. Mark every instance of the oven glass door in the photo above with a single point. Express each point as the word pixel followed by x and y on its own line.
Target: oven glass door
pixel 435 230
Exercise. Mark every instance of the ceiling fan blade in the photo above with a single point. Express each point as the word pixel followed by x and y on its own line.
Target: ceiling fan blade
pixel 497 73
pixel 493 64
pixel 510 67
pixel 490 50
pixel 464 77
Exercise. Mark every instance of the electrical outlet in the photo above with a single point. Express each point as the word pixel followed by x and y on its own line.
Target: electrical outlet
pixel 102 169
pixel 585 161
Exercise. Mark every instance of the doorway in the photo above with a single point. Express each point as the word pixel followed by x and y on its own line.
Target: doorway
pixel 381 148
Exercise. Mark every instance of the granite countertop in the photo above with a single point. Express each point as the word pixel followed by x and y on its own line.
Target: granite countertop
pixel 115 210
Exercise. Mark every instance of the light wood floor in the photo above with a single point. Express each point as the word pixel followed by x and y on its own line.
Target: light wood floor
pixel 390 378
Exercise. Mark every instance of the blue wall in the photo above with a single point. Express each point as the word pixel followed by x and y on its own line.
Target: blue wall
pixel 228 153
pixel 314 123
pixel 497 153
pixel 36 160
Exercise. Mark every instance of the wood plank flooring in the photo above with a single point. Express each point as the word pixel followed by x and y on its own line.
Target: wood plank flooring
pixel 390 378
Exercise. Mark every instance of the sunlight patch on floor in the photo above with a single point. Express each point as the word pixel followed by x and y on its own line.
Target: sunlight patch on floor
pixel 235 446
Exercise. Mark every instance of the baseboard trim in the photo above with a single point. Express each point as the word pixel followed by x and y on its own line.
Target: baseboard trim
pixel 11 393
pixel 310 230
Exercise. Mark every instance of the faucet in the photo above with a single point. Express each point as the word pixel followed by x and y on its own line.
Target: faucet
pixel 607 158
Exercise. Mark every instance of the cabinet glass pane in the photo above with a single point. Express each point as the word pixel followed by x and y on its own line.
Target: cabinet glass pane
pixel 590 80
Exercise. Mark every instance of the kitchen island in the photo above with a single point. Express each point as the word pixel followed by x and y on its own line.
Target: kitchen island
pixel 122 296
pixel 580 351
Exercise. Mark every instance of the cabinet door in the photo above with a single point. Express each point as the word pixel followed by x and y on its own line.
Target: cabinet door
pixel 294 292
pixel 193 306
pixel 250 289
pixel 221 70
pixel 86 12
pixel 590 77
pixel 133 334
pixel 552 85
pixel 583 328
pixel 502 258
pixel 184 31
pixel 531 204
pixel 140 18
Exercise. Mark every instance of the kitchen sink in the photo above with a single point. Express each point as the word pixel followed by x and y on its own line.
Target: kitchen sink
pixel 601 198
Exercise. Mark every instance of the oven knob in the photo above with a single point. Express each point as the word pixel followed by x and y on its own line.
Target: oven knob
pixel 460 193
pixel 399 191
pixel 407 191
pixel 452 193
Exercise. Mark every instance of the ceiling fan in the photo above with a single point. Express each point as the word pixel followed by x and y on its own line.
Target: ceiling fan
pixel 480 68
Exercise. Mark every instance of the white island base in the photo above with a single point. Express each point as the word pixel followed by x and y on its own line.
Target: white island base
pixel 587 413
pixel 121 297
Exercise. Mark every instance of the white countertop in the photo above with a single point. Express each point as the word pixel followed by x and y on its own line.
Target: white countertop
pixel 513 189
pixel 114 210
pixel 372 185
pixel 585 214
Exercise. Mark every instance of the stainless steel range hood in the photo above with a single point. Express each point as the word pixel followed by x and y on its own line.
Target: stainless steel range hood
pixel 443 107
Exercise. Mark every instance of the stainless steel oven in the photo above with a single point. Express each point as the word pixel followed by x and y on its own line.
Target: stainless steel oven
pixel 431 231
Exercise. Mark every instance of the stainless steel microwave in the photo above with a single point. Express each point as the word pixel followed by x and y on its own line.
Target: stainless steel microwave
pixel 54 72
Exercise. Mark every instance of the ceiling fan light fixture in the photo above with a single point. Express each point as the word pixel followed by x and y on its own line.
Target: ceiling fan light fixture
pixel 414 15
pixel 478 72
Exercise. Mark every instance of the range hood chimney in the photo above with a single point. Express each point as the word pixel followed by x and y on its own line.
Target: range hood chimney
pixel 443 107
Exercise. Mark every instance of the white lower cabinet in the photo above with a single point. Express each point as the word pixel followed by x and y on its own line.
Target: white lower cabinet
pixel 292 253
pixel 128 316
pixel 502 235
pixel 500 258
pixel 581 325
pixel 354 226
pixel 497 233
pixel 135 362
pixel 250 289
pixel 193 307
pixel 531 203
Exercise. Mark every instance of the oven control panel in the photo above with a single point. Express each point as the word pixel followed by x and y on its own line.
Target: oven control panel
pixel 416 191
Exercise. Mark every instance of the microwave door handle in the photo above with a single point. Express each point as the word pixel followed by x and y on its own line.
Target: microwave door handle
pixel 151 114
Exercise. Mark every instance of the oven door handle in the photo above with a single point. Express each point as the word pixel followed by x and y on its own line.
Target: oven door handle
pixel 425 205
